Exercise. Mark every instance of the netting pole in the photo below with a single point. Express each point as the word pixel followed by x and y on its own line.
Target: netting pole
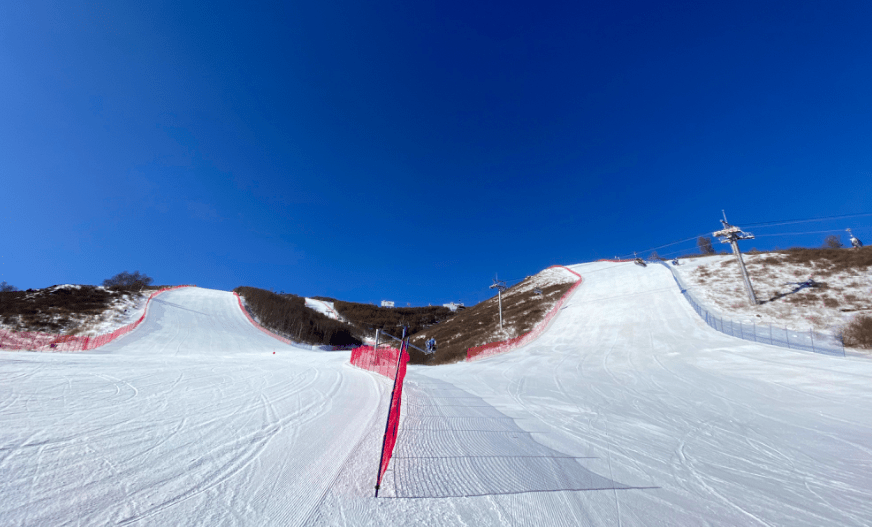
pixel 376 340
pixel 811 334
pixel 390 406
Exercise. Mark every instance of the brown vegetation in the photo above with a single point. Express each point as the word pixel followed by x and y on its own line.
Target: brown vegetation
pixel 858 334
pixel 368 318
pixel 288 315
pixel 825 261
pixel 56 309
pixel 522 310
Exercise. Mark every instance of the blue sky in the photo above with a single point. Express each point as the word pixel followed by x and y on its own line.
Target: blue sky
pixel 410 150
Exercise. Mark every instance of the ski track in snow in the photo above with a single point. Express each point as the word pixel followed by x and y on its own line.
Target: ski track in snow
pixel 629 410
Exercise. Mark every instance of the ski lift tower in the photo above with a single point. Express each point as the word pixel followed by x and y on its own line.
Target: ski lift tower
pixel 731 234
pixel 500 286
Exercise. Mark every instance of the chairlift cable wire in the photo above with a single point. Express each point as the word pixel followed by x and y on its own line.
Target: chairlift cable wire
pixel 807 220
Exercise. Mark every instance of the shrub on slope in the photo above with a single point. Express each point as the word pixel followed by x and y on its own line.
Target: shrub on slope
pixel 288 315
pixel 368 317
pixel 858 333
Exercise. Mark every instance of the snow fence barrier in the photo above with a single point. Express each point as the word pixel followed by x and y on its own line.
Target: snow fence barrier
pixel 495 348
pixel 39 341
pixel 810 340
pixel 391 363
pixel 256 324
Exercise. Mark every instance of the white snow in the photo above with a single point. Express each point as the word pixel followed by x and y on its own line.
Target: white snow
pixel 324 307
pixel 629 410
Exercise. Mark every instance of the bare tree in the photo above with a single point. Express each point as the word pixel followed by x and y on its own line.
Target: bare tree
pixel 5 288
pixel 705 245
pixel 832 242
pixel 125 280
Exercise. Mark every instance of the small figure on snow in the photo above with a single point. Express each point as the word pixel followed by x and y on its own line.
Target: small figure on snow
pixel 431 345
pixel 675 261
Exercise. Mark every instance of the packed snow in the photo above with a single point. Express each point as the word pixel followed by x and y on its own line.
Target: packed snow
pixel 629 410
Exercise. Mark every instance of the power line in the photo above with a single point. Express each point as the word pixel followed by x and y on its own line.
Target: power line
pixel 807 220
pixel 799 233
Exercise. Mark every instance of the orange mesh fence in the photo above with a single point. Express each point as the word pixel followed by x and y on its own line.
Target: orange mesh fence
pixel 495 348
pixel 38 341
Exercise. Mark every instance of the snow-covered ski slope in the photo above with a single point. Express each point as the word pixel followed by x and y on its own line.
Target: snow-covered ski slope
pixel 629 410
pixel 653 417
pixel 189 420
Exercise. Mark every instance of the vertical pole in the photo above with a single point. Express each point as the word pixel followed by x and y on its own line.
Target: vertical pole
pixel 500 294
pixel 390 407
pixel 770 333
pixel 751 296
pixel 376 340
pixel 811 334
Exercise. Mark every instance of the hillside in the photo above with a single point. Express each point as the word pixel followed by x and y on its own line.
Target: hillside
pixel 287 315
pixel 523 308
pixel 841 287
pixel 71 309
pixel 367 317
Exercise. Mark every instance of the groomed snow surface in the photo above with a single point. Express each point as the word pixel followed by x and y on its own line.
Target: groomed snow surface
pixel 629 410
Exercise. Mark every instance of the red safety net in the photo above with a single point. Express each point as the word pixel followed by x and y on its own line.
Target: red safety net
pixel 257 325
pixel 38 341
pixel 382 361
pixel 393 419
pixel 495 348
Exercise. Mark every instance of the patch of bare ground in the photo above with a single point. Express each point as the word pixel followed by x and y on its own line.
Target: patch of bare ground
pixel 523 308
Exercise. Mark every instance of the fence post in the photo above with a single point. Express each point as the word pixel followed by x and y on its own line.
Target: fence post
pixel 787 334
pixel 742 330
pixel 811 334
pixel 390 405
pixel 770 335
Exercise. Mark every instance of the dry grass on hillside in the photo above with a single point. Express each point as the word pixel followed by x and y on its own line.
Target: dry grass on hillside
pixel 522 310
pixel 841 287
pixel 67 309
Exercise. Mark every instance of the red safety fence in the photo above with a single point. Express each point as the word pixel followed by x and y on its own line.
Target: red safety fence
pixel 257 325
pixel 39 341
pixel 495 348
pixel 391 363
pixel 382 361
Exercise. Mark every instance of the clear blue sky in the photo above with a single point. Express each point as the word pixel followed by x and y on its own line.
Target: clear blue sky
pixel 410 150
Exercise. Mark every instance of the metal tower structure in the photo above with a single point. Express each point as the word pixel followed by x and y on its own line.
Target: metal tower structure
pixel 731 234
pixel 500 286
